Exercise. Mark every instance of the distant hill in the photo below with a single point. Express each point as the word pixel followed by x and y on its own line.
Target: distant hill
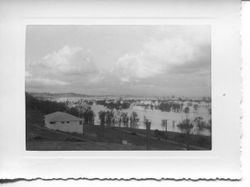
pixel 53 96
pixel 46 95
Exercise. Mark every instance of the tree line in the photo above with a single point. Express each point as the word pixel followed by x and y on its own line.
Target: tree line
pixel 114 104
pixel 122 119
pixel 47 107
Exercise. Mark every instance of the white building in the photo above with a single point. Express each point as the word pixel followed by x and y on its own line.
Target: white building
pixel 63 122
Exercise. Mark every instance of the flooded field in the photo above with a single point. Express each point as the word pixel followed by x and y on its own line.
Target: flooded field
pixel 149 110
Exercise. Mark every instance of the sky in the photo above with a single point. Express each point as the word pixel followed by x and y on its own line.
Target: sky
pixel 153 60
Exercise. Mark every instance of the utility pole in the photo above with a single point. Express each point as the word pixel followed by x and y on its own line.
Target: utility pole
pixel 165 125
pixel 148 125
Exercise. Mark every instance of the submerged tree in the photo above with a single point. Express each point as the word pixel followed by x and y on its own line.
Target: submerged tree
pixel 89 116
pixel 201 124
pixel 102 116
pixel 165 106
pixel 209 126
pixel 176 107
pixel 186 110
pixel 134 119
pixel 107 118
pixel 118 118
pixel 164 124
pixel 110 118
pixel 186 126
pixel 125 119
pixel 196 106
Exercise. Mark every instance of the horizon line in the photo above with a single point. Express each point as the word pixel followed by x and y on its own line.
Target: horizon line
pixel 131 95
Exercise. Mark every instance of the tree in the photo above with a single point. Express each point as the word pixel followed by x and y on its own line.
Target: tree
pixel 200 122
pixel 102 116
pixel 186 110
pixel 110 118
pixel 209 125
pixel 165 106
pixel 118 118
pixel 134 119
pixel 125 119
pixel 210 121
pixel 195 107
pixel 148 126
pixel 164 124
pixel 186 126
pixel 89 116
pixel 210 111
pixel 176 107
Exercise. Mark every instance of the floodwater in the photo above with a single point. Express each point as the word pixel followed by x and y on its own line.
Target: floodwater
pixel 156 117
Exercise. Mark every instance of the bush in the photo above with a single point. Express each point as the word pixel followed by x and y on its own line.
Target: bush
pixel 133 133
pixel 37 137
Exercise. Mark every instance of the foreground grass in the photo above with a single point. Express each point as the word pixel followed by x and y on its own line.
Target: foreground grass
pixel 104 139
pixel 73 146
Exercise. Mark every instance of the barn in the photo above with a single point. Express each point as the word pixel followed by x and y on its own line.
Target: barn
pixel 64 122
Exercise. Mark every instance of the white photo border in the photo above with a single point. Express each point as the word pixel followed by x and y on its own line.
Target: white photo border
pixel 220 162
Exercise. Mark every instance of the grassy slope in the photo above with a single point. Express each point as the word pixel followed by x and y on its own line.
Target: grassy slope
pixel 98 138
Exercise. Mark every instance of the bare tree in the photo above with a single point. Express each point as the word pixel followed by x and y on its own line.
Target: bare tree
pixel 186 127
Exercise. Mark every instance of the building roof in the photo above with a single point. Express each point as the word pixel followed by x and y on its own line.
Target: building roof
pixel 61 116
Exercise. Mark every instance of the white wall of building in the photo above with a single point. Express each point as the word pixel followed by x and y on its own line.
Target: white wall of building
pixel 72 126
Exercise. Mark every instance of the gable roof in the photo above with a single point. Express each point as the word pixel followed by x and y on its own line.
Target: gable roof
pixel 61 116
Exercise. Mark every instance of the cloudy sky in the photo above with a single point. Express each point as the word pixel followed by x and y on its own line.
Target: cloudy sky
pixel 119 60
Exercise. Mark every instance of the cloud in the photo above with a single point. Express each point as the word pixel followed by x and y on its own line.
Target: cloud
pixel 64 66
pixel 161 56
pixel 135 66
pixel 69 60
pixel 154 60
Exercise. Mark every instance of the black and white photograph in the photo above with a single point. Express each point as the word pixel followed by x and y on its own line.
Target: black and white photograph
pixel 124 91
pixel 118 87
